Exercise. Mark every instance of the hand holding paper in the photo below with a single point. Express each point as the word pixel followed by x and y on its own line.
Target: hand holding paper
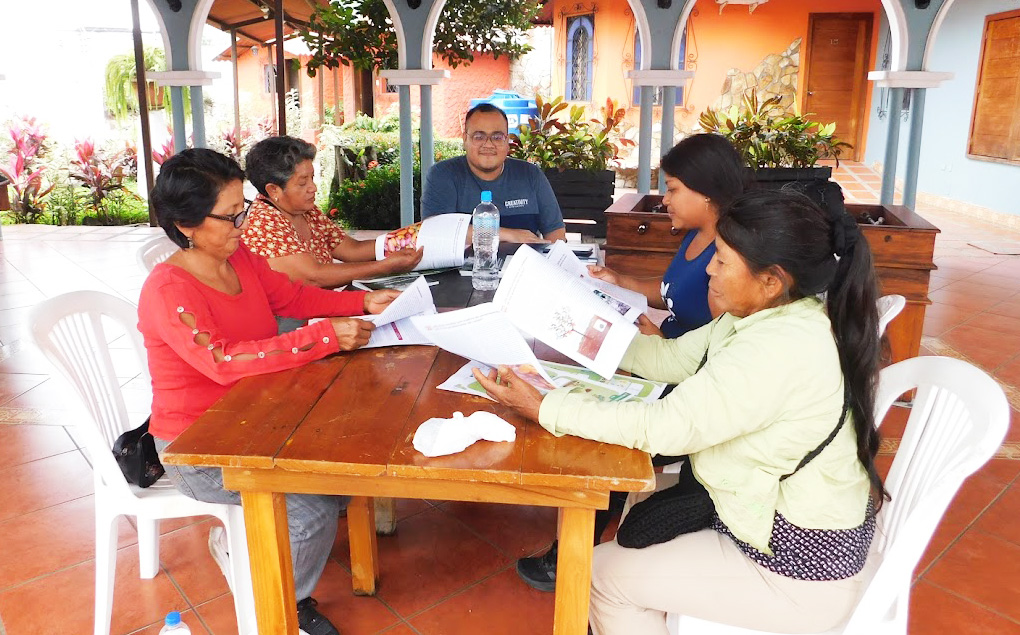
pixel 442 237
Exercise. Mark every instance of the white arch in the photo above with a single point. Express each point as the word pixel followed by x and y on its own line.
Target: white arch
pixel 198 19
pixel 898 34
pixel 936 26
pixel 644 32
pixel 162 33
pixel 678 36
pixel 401 44
pixel 428 38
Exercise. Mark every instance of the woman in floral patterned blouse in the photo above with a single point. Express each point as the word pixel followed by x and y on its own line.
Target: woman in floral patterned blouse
pixel 285 227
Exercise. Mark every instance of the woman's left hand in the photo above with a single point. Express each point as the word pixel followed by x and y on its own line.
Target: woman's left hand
pixel 647 327
pixel 376 301
pixel 507 388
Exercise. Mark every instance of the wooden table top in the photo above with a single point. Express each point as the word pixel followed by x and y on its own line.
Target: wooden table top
pixel 356 414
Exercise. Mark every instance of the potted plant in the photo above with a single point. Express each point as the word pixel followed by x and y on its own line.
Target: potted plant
pixel 576 155
pixel 777 146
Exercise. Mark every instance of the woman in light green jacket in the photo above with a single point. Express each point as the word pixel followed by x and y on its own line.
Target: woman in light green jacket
pixel 761 388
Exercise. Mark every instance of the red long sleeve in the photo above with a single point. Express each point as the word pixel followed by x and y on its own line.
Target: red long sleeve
pixel 186 377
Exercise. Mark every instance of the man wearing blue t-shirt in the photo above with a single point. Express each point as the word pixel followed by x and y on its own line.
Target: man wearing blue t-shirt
pixel 527 206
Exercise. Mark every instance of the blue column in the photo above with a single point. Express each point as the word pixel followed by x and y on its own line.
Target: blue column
pixel 198 117
pixel 427 144
pixel 892 147
pixel 406 157
pixel 914 147
pixel 666 140
pixel 644 176
pixel 177 105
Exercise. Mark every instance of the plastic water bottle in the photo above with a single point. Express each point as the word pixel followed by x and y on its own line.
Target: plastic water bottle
pixel 485 220
pixel 174 625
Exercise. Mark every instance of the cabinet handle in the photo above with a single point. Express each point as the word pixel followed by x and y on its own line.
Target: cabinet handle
pixel 674 231
pixel 642 228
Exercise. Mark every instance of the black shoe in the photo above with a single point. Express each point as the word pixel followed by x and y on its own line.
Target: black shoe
pixel 311 621
pixel 539 572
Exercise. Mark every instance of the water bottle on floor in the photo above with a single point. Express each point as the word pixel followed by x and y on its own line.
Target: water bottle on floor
pixel 174 625
pixel 485 241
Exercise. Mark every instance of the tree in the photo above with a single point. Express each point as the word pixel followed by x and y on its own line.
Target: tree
pixel 360 32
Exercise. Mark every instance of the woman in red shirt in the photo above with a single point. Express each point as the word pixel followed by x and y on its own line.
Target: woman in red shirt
pixel 207 319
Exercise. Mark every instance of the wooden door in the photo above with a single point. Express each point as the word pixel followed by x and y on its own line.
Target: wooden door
pixel 836 74
pixel 364 92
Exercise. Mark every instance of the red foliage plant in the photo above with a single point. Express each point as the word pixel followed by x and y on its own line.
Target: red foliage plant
pixel 24 172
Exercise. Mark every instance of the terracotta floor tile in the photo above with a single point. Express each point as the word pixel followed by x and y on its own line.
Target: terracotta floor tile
pixel 28 609
pixel 935 611
pixel 959 297
pixel 500 605
pixel 988 348
pixel 1009 373
pixel 939 318
pixel 218 615
pixel 1008 308
pixel 13 384
pixel 52 539
pixel 990 278
pixel 52 394
pixel 351 614
pixel 400 629
pixel 431 556
pixel 971 286
pixel 184 555
pixel 895 421
pixel 516 530
pixel 973 498
pixel 982 568
pixel 43 483
pixel 1001 518
pixel 21 444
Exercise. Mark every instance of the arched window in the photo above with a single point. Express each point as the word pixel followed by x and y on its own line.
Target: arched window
pixel 580 51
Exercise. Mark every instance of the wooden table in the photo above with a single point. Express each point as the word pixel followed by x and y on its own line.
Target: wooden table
pixel 344 425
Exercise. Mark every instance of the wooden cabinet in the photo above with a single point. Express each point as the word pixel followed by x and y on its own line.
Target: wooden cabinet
pixel 640 241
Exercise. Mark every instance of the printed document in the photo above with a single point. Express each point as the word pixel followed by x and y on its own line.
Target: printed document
pixel 393 327
pixel 629 304
pixel 443 238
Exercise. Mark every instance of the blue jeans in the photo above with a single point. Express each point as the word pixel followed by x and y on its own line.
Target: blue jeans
pixel 311 518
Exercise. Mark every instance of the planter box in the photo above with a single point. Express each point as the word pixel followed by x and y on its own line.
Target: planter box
pixel 640 241
pixel 583 197
pixel 5 202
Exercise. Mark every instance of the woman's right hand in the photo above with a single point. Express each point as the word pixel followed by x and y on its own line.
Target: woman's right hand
pixel 605 273
pixel 523 236
pixel 351 333
pixel 403 259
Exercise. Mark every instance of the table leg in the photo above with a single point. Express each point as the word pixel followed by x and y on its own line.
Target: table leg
pixel 364 548
pixel 265 521
pixel 385 516
pixel 573 571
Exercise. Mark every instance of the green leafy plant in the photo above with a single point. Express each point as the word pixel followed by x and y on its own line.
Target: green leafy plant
pixel 120 93
pixel 768 137
pixel 24 171
pixel 374 202
pixel 571 144
pixel 360 32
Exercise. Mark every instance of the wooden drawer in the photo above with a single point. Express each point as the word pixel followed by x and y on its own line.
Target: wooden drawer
pixel 635 263
pixel 642 231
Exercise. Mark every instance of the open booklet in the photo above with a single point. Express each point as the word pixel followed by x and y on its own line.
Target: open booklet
pixel 563 311
pixel 443 238
pixel 627 303
pixel 616 388
pixel 393 327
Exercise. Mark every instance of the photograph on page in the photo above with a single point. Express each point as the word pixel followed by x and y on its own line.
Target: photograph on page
pixel 442 237
pixel 484 334
pixel 399 333
pixel 563 312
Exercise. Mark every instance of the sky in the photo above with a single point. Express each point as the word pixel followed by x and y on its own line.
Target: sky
pixel 55 72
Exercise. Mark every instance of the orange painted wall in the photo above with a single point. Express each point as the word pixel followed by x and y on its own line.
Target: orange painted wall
pixel 733 38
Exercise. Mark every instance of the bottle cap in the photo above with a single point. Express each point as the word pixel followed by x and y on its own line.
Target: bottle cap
pixel 486 196
pixel 173 618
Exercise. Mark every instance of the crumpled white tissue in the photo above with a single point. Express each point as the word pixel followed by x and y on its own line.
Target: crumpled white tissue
pixel 439 437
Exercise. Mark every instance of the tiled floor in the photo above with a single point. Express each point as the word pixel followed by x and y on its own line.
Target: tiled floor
pixel 449 568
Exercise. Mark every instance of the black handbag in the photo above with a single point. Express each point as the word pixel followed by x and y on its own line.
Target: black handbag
pixel 135 451
pixel 687 506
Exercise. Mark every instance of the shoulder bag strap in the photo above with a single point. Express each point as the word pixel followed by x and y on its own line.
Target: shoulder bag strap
pixel 832 435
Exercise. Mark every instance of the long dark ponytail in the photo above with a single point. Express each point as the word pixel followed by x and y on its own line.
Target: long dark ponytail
pixel 821 252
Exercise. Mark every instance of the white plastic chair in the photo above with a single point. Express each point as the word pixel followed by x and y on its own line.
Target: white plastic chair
pixel 73 331
pixel 958 421
pixel 155 251
pixel 889 306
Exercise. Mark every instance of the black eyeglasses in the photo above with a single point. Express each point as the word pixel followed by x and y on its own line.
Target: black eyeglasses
pixel 236 219
pixel 479 138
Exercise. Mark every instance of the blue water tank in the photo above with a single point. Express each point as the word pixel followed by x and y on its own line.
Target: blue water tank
pixel 518 109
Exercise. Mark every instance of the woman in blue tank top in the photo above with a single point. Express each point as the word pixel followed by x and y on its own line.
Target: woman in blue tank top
pixel 704 174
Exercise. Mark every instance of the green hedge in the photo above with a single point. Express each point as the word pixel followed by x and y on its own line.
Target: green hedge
pixel 373 203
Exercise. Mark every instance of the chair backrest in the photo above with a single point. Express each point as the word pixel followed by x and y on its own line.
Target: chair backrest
pixel 155 251
pixel 889 306
pixel 958 420
pixel 73 331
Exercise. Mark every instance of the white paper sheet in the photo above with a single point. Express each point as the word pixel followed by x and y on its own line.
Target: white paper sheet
pixel 562 311
pixel 443 237
pixel 415 300
pixel 627 303
pixel 399 333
